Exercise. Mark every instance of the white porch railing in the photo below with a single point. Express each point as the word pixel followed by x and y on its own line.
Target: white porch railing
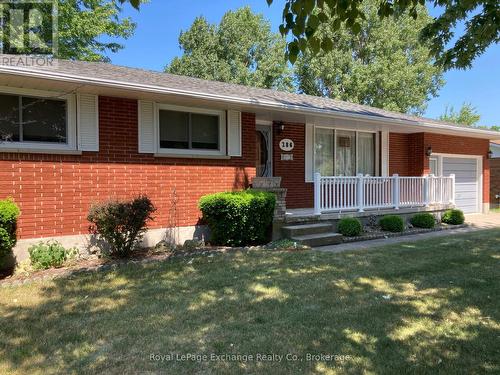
pixel 337 193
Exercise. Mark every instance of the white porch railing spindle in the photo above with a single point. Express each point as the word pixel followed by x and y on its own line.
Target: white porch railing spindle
pixel 342 193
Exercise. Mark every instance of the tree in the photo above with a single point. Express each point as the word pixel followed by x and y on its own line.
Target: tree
pixel 302 18
pixel 383 65
pixel 467 116
pixel 241 49
pixel 85 27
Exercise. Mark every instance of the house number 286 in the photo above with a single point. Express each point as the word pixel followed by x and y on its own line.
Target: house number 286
pixel 286 144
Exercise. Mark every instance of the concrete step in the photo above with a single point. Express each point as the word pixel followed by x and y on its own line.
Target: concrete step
pixel 290 231
pixel 319 239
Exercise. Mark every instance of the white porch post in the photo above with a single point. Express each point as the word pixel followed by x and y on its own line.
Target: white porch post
pixel 395 191
pixel 317 193
pixel 360 199
pixel 452 189
pixel 426 191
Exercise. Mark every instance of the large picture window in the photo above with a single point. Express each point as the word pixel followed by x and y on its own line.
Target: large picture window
pixel 344 153
pixel 32 119
pixel 181 130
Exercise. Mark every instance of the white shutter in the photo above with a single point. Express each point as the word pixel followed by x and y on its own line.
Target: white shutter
pixel 234 133
pixel 146 127
pixel 88 122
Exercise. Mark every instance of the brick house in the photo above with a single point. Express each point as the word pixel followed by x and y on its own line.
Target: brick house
pixel 76 133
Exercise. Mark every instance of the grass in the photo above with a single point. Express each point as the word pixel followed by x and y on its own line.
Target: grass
pixel 495 210
pixel 426 307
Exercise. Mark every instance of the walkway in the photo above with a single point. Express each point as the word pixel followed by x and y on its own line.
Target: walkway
pixel 476 222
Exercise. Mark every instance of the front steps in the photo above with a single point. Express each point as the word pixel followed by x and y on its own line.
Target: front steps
pixel 313 235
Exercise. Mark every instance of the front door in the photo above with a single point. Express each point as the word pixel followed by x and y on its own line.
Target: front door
pixel 263 139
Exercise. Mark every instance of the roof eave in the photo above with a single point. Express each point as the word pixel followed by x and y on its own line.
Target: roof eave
pixel 26 72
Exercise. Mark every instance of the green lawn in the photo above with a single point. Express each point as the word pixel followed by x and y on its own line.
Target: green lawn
pixel 427 307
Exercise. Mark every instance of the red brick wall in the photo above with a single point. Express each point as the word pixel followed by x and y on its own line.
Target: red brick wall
pixel 407 153
pixel 447 144
pixel 292 172
pixel 494 181
pixel 55 191
pixel 399 154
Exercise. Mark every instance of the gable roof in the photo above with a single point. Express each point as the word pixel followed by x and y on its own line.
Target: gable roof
pixel 140 79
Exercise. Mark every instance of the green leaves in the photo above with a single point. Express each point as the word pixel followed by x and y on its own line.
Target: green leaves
pixel 302 18
pixel 241 49
pixel 87 29
pixel 377 62
pixel 467 116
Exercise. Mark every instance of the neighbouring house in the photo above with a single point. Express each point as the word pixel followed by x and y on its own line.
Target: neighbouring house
pixel 495 174
pixel 80 132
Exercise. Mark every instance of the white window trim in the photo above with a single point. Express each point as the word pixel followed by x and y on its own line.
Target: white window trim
pixel 41 147
pixel 173 152
pixel 335 128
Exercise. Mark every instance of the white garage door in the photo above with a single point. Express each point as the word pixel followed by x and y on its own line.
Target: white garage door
pixel 466 182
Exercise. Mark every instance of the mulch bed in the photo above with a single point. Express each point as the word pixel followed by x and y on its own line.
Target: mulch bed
pixel 375 235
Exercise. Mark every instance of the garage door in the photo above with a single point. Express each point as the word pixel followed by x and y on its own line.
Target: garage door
pixel 466 183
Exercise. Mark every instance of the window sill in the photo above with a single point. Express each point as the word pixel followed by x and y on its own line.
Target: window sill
pixel 190 156
pixel 28 150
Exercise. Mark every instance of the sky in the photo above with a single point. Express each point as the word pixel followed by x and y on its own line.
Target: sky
pixel 159 22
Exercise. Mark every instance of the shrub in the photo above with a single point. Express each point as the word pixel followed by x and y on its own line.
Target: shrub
pixel 423 220
pixel 9 212
pixel 454 217
pixel 50 254
pixel 238 218
pixel 121 224
pixel 349 227
pixel 392 223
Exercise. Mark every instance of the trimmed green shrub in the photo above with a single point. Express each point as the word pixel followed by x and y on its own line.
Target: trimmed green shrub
pixel 392 223
pixel 453 216
pixel 45 255
pixel 423 220
pixel 349 227
pixel 238 218
pixel 121 224
pixel 9 212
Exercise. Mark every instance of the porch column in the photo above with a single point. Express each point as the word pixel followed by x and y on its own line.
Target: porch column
pixel 317 193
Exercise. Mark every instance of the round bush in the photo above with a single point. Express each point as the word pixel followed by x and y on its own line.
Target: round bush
pixel 238 218
pixel 349 227
pixel 423 220
pixel 454 217
pixel 9 212
pixel 392 223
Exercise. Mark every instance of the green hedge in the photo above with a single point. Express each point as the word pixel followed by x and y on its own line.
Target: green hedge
pixel 9 212
pixel 349 227
pixel 423 220
pixel 454 217
pixel 392 223
pixel 238 218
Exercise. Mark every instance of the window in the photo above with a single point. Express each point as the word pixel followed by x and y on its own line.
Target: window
pixel 366 153
pixel 190 131
pixel 33 119
pixel 344 153
pixel 433 166
pixel 324 150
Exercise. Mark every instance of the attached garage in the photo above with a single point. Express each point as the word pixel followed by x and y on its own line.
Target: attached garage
pixel 467 171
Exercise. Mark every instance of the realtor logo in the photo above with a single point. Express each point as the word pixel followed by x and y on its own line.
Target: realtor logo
pixel 28 27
